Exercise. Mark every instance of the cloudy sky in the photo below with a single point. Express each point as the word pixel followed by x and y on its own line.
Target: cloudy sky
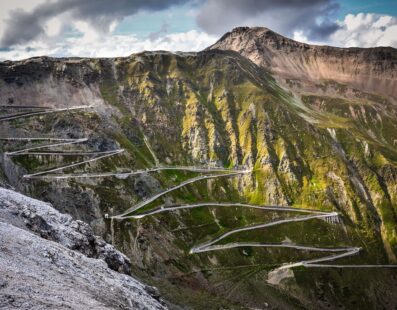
pixel 106 28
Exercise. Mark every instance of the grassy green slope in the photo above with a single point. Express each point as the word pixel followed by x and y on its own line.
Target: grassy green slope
pixel 310 152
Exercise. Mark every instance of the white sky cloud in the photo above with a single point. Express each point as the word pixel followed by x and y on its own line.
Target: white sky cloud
pixel 92 45
pixel 66 35
pixel 366 30
pixel 7 6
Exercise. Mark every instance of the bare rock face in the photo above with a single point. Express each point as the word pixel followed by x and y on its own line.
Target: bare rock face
pixel 47 260
pixel 41 219
pixel 369 69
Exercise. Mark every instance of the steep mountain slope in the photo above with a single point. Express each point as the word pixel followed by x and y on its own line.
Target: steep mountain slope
pixel 327 151
pixel 368 69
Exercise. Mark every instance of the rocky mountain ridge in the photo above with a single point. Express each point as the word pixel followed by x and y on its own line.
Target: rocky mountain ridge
pixel 369 69
pixel 309 143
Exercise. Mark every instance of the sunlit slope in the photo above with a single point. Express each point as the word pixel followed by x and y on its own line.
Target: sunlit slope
pixel 220 109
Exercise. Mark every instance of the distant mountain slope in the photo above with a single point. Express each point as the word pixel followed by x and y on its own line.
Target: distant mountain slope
pixel 369 69
pixel 310 143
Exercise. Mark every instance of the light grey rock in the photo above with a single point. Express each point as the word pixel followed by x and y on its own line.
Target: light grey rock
pixel 49 261
pixel 43 220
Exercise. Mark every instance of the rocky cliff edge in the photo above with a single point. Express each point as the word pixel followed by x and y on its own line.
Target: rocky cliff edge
pixel 48 260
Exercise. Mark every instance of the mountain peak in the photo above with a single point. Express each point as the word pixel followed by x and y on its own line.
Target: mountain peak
pixel 245 29
pixel 363 68
pixel 247 37
pixel 250 30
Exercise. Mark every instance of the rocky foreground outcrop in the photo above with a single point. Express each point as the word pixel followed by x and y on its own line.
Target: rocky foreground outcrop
pixel 50 261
